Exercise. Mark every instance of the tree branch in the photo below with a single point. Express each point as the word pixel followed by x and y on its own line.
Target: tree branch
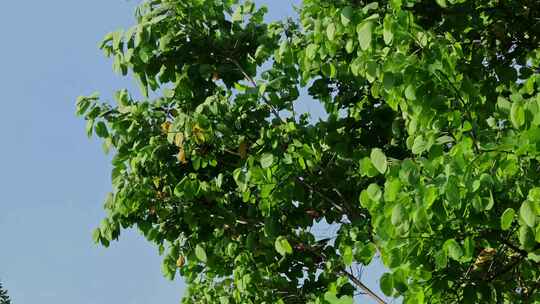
pixel 363 287
pixel 326 198
pixel 514 247
pixel 508 268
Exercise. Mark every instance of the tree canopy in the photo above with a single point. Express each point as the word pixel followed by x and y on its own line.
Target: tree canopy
pixel 429 154
pixel 4 297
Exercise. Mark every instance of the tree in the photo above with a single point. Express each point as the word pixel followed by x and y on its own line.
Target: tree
pixel 429 154
pixel 4 298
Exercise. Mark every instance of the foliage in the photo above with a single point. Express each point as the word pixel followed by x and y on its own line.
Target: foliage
pixel 429 154
pixel 4 298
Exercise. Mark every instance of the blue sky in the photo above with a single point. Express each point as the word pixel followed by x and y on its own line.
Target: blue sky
pixel 52 177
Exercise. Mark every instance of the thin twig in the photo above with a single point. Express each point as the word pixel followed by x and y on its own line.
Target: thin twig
pixel 340 208
pixel 254 83
pixel 467 112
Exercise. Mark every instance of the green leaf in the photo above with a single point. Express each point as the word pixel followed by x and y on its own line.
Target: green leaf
pixel 441 259
pixel 398 214
pixel 331 31
pixel 371 71
pixel 420 218
pixel 503 105
pixel 367 168
pixel 365 253
pixel 267 189
pixel 468 246
pixel 143 84
pixel 526 238
pixel 224 300
pixel 145 54
pixel 89 127
pixel 237 16
pixel 410 92
pixel 346 15
pixel 527 213
pixel 219 180
pixel 96 236
pixel 374 192
pixel 267 160
pixel 282 246
pixel 396 4
pixel 507 218
pixel 454 249
pixel 364 31
pixel 534 195
pixel 419 145
pixel 347 255
pixel 517 114
pixel 444 140
pixel 83 103
pixel 388 34
pixel 430 195
pixel 371 6
pixel 379 160
pixel 331 298
pixel 441 3
pixel 365 200
pixel 534 256
pixel 311 51
pixel 200 253
pixel 388 81
pixel 101 130
pixel 271 227
pixel 329 70
pixel 476 185
pixel 452 192
pixel 355 67
pixel 387 284
pixel 393 258
pixel 179 188
pixel 117 39
pixel 349 47
pixel 392 187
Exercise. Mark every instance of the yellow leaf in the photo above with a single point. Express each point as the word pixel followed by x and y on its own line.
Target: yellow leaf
pixel 161 195
pixel 242 150
pixel 156 181
pixel 485 257
pixel 179 139
pixel 182 156
pixel 180 262
pixel 165 127
pixel 198 133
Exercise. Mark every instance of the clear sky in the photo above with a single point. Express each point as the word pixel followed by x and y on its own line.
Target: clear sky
pixel 52 177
